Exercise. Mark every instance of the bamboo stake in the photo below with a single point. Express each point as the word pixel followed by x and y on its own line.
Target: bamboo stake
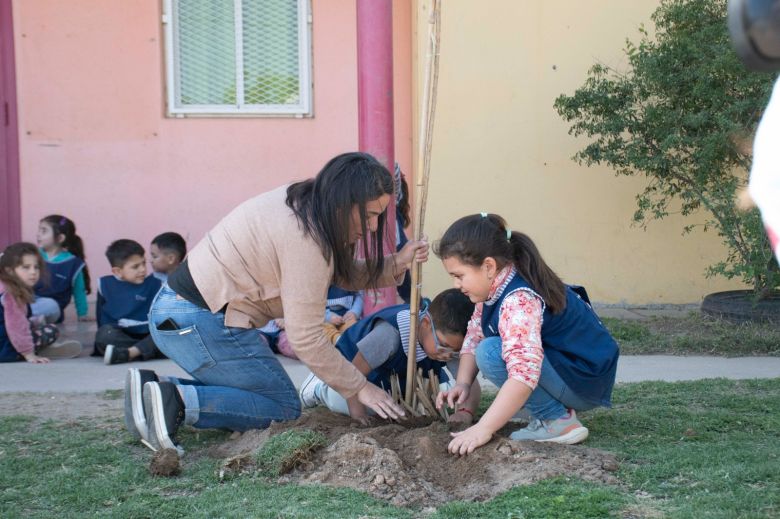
pixel 422 175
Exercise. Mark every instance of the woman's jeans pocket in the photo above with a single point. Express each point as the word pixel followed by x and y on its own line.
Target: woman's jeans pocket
pixel 185 347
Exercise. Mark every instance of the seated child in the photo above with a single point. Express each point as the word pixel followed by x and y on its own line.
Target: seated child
pixel 123 303
pixel 343 309
pixel 167 252
pixel 378 346
pixel 22 336
pixel 68 275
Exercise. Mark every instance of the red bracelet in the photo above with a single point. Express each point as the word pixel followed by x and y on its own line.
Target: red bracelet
pixel 464 409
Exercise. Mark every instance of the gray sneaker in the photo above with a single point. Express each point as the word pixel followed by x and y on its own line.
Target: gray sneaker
pixel 307 392
pixel 567 430
pixel 135 417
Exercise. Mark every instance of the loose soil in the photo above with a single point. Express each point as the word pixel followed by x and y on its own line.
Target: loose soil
pixel 407 464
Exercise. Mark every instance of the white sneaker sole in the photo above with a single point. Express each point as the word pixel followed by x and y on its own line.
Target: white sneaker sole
pixel 108 354
pixel 572 437
pixel 158 431
pixel 307 402
pixel 135 420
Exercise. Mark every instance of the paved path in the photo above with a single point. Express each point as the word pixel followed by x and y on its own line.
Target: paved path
pixel 89 374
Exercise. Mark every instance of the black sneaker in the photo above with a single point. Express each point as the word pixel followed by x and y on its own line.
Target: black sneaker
pixel 135 419
pixel 164 410
pixel 115 355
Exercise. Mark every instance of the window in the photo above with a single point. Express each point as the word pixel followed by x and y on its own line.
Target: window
pixel 238 57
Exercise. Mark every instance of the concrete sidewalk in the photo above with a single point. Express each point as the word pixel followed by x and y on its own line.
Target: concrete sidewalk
pixel 89 374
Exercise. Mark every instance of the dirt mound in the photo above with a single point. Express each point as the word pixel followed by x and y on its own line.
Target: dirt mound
pixel 408 464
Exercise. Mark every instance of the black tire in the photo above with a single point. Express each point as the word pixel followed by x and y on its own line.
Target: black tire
pixel 738 306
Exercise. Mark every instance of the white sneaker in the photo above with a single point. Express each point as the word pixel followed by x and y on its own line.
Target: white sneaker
pixel 307 392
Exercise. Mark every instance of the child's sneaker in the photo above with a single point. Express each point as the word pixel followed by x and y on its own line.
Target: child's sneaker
pixel 307 392
pixel 135 418
pixel 61 350
pixel 164 411
pixel 114 355
pixel 567 429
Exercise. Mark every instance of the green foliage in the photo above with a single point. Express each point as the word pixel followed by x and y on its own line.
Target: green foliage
pixel 283 452
pixel 680 115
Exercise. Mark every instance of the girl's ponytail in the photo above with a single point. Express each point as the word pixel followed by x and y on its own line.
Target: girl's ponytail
pixel 473 238
pixel 72 242
pixel 540 276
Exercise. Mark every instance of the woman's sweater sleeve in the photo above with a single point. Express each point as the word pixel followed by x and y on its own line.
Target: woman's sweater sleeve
pixel 304 286
pixel 80 294
pixel 17 326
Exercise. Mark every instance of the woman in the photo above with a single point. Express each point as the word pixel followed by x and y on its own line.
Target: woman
pixel 273 256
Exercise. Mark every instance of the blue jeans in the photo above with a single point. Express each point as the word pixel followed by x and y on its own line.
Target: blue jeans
pixel 46 307
pixel 551 398
pixel 238 382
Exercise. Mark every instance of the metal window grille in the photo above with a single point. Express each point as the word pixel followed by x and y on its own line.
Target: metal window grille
pixel 235 57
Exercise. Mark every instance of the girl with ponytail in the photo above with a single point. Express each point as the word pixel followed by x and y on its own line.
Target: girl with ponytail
pixel 63 251
pixel 533 336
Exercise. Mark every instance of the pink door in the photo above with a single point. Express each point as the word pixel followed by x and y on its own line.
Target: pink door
pixel 10 211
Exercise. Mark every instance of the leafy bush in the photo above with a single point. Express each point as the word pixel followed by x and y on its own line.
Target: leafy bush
pixel 682 115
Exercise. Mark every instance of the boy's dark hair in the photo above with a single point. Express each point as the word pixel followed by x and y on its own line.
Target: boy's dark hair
pixel 72 243
pixel 323 208
pixel 121 250
pixel 451 311
pixel 171 242
pixel 473 238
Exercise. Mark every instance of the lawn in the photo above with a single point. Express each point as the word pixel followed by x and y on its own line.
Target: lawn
pixel 694 334
pixel 690 449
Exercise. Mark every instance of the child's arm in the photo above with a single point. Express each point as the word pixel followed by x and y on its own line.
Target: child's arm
pixel 18 329
pixel 357 307
pixel 80 296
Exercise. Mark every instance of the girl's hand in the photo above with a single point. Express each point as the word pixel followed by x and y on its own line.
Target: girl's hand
pixel 467 441
pixel 32 358
pixel 279 323
pixel 414 251
pixel 86 319
pixel 453 397
pixel 380 402
pixel 336 319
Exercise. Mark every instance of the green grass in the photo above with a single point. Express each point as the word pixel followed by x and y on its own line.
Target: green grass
pixel 695 334
pixel 283 452
pixel 689 449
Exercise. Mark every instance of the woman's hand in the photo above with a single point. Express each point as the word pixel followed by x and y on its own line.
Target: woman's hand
pixel 453 397
pixel 32 358
pixel 416 250
pixel 336 320
pixel 380 402
pixel 357 410
pixel 467 441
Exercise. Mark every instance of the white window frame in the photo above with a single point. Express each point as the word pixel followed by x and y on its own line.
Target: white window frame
pixel 302 109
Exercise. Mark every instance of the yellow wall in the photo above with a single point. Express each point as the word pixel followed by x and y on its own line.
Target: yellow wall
pixel 499 146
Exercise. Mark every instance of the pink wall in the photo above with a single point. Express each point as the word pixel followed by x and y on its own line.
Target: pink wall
pixel 95 145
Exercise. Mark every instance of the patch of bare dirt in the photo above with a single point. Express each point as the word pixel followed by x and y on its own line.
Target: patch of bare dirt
pixel 407 464
pixel 62 406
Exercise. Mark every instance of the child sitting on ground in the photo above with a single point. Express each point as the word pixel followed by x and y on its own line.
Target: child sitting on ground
pixel 23 337
pixel 166 252
pixel 534 337
pixel 123 303
pixel 343 309
pixel 68 275
pixel 378 346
